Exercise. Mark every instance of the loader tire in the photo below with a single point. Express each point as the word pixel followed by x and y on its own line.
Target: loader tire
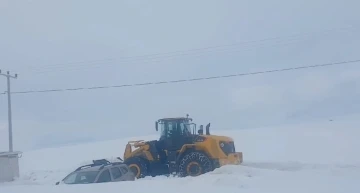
pixel 194 164
pixel 138 166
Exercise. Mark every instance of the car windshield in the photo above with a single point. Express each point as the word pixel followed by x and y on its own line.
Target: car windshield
pixel 84 177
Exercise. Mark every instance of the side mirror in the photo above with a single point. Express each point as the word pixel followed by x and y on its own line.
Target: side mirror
pixel 57 183
pixel 201 130
pixel 156 126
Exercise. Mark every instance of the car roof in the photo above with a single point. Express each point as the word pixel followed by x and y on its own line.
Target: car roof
pixel 94 168
pixel 99 167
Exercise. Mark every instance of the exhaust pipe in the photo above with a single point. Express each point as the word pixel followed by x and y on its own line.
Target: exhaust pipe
pixel 208 129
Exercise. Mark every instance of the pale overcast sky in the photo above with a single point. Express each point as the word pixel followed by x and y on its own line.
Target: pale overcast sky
pixel 70 44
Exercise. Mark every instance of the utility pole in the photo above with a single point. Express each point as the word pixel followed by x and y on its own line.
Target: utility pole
pixel 8 77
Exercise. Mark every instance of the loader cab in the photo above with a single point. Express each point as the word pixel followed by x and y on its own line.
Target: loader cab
pixel 176 132
pixel 175 127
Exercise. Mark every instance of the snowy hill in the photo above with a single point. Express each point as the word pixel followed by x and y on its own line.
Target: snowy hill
pixel 321 157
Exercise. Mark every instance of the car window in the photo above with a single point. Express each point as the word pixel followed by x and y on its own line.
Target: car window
pixel 124 170
pixel 104 176
pixel 70 179
pixel 115 172
pixel 81 177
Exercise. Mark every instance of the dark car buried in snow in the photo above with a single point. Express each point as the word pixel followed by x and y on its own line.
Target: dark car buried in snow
pixel 100 171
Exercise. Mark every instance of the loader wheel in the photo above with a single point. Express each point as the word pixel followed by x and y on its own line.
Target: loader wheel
pixel 138 166
pixel 194 164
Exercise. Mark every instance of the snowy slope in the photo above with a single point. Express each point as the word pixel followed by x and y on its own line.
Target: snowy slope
pixel 321 157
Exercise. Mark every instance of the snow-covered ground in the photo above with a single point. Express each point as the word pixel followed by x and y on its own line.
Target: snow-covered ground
pixel 321 157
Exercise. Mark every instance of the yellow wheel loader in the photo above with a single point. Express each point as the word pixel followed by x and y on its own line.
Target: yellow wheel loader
pixel 180 151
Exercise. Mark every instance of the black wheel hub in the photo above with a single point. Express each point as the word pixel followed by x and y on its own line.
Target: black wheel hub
pixel 194 169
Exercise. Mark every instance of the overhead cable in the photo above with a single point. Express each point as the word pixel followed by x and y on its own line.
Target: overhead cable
pixel 188 80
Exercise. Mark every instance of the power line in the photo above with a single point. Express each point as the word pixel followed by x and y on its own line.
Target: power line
pixel 179 53
pixel 141 59
pixel 188 80
pixel 162 58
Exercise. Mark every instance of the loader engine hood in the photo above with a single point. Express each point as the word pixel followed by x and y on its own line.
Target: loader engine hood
pixel 218 146
pixel 218 137
pixel 214 137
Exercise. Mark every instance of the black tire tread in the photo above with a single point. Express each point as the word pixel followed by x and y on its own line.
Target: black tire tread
pixel 143 165
pixel 200 157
